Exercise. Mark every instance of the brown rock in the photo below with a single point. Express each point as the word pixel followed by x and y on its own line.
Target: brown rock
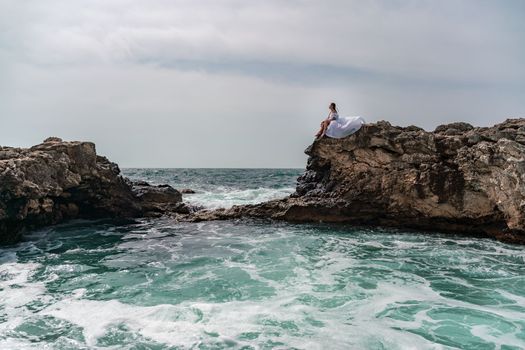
pixel 457 179
pixel 53 139
pixel 58 180
pixel 157 200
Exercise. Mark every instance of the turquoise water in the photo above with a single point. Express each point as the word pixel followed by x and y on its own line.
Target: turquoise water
pixel 222 188
pixel 158 284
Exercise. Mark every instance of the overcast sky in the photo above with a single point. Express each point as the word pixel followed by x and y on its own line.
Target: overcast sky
pixel 241 83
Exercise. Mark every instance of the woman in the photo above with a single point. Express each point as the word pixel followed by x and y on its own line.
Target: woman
pixel 332 115
pixel 338 127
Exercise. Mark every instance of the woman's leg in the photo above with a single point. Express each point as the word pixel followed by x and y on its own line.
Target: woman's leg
pixel 321 130
pixel 324 125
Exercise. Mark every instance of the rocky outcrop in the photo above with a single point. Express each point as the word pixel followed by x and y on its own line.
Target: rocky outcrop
pixel 56 180
pixel 458 179
pixel 159 200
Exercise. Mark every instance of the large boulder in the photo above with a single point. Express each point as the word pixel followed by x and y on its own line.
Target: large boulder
pixel 158 200
pixel 56 180
pixel 458 179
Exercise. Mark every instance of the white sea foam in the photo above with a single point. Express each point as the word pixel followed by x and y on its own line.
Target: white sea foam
pixel 225 197
pixel 16 292
pixel 189 324
pixel 15 289
pixel 320 290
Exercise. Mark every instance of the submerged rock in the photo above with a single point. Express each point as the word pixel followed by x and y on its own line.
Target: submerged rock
pixel 458 179
pixel 56 180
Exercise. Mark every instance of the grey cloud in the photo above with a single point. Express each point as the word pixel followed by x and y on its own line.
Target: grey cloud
pixel 427 38
pixel 136 76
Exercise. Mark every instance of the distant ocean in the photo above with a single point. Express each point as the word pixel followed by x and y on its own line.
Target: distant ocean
pixel 248 284
pixel 222 188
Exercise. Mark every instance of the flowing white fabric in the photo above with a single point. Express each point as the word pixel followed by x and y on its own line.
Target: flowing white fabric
pixel 344 126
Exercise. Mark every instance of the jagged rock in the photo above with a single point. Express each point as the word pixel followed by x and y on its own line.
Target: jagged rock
pixel 457 179
pixel 56 180
pixel 158 200
pixel 187 191
pixel 453 128
pixel 53 139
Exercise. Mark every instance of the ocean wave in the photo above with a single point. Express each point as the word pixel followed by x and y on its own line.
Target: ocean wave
pixel 225 197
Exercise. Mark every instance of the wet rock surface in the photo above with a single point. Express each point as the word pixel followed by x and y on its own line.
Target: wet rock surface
pixel 57 180
pixel 459 179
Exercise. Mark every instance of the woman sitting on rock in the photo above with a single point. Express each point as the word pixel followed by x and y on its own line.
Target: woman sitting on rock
pixel 338 127
pixel 332 115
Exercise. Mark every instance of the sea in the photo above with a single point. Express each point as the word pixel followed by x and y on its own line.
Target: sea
pixel 256 284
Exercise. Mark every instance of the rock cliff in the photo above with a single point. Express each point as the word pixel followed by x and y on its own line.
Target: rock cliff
pixel 457 179
pixel 56 180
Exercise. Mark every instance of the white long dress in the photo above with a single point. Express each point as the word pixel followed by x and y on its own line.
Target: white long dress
pixel 343 126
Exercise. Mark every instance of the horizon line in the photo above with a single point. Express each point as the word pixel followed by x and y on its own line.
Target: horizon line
pixel 260 168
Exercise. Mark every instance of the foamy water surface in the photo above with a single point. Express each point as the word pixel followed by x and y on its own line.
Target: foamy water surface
pixel 223 188
pixel 158 284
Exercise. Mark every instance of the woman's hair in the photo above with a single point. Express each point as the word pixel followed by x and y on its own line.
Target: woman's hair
pixel 333 107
